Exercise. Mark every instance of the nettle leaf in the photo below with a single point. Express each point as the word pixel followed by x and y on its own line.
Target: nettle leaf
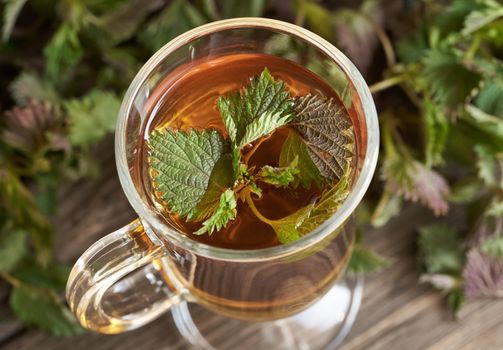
pixel 11 11
pixel 494 247
pixel 181 164
pixel 178 17
pixel 12 248
pixel 29 86
pixel 327 205
pixel 280 177
pixel 490 98
pixel 482 275
pixel 389 205
pixel 490 165
pixel 453 17
pixel 319 18
pixel 287 228
pixel 410 179
pixel 122 22
pixel 417 183
pixel 294 148
pixel 364 260
pixel 225 212
pixel 437 131
pixel 256 110
pixel 442 249
pixel 488 123
pixel 449 81
pixel 413 49
pixel 20 206
pixel 306 219
pixel 479 19
pixel 355 32
pixel 92 116
pixel 43 308
pixel 327 131
pixel 220 180
pixel 63 52
pixel 250 8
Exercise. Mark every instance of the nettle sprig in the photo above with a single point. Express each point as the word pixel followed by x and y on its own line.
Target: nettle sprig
pixel 200 175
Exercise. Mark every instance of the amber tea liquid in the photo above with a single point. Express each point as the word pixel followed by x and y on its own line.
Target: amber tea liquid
pixel 186 99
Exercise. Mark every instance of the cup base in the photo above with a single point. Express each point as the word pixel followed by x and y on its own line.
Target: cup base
pixel 324 325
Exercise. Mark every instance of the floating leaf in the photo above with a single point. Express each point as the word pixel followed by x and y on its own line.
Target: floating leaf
pixel 225 212
pixel 292 148
pixel 181 164
pixel 280 177
pixel 327 131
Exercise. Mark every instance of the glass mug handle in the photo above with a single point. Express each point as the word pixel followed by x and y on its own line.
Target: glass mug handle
pixel 117 284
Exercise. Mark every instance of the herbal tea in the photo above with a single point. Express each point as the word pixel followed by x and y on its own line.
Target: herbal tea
pixel 248 151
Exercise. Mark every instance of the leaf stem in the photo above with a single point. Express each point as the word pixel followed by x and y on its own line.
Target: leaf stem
pixel 10 279
pixel 387 83
pixel 255 211
pixel 384 39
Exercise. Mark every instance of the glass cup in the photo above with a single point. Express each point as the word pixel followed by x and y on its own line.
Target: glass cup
pixel 288 296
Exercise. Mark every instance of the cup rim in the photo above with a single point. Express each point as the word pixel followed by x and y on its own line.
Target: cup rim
pixel 315 236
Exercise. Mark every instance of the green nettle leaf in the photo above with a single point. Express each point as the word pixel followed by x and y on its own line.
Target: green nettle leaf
pixel 12 248
pixel 43 308
pixel 479 19
pixel 413 49
pixel 490 98
pixel 293 148
pixel 488 123
pixel 92 117
pixel 364 260
pixel 490 166
pixel 29 86
pixel 327 131
pixel 225 212
pixel 181 166
pixel 305 220
pixel 280 177
pixel 11 11
pixel 250 8
pixel 256 110
pixel 389 205
pixel 220 180
pixel 122 23
pixel 327 205
pixel 263 125
pixel 287 228
pixel 442 249
pixel 63 52
pixel 493 247
pixel 17 201
pixel 53 276
pixel 449 81
pixel 318 17
pixel 177 18
pixel 437 131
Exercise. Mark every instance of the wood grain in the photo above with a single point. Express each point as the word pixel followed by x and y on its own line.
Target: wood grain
pixel 396 313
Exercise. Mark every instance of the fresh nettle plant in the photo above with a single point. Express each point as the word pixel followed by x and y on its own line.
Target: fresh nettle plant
pixel 200 176
pixel 66 63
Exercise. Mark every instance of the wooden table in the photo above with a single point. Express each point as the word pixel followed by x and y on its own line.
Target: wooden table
pixel 397 312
